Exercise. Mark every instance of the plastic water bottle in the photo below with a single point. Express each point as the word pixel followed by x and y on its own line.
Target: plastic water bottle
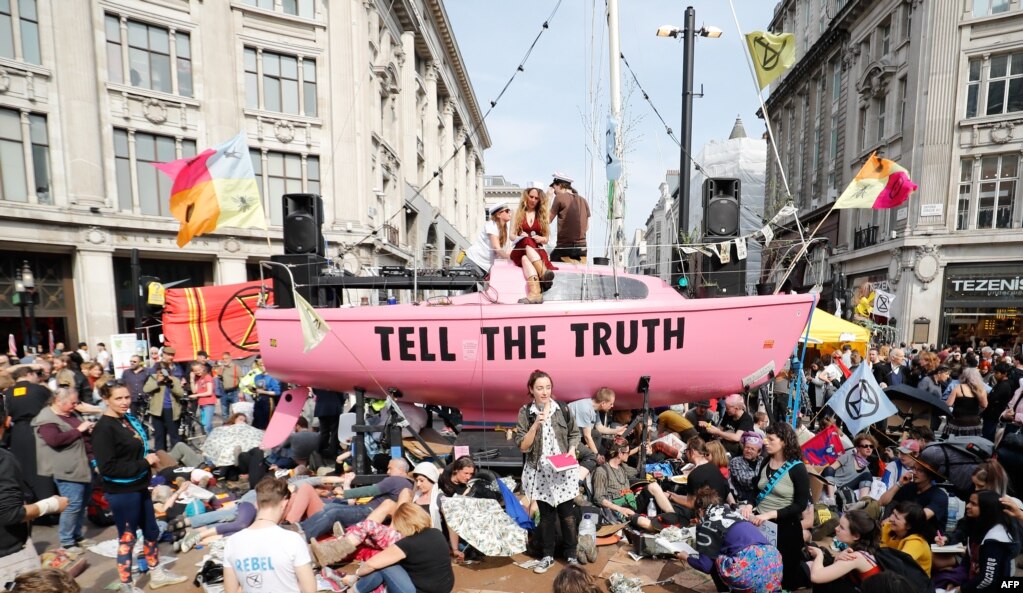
pixel 588 526
pixel 956 510
pixel 651 509
pixel 143 564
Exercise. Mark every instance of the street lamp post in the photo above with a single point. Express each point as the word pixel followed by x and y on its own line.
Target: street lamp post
pixel 689 33
pixel 24 294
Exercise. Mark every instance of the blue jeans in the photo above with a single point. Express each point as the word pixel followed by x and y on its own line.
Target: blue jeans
pixel 229 396
pixel 346 514
pixel 207 417
pixel 394 576
pixel 73 517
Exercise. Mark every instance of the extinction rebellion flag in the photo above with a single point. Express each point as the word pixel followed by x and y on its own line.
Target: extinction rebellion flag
pixel 860 401
pixel 215 319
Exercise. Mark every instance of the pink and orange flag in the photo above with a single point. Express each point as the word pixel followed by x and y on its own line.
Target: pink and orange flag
pixel 217 188
pixel 880 184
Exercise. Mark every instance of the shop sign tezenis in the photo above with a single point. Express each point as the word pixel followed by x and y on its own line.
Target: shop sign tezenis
pixel 989 286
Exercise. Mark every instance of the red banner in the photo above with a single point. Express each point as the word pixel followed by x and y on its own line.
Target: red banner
pixel 824 448
pixel 215 319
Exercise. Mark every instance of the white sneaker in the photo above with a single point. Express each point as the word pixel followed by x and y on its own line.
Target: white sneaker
pixel 129 588
pixel 545 564
pixel 161 577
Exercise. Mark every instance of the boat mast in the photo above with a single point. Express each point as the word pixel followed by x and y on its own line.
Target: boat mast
pixel 616 240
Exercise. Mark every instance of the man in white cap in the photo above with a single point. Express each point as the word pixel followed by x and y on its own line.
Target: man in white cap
pixel 573 214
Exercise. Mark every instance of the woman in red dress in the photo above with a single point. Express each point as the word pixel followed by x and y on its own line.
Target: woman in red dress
pixel 531 231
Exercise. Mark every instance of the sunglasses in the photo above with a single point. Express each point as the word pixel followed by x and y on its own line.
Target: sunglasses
pixel 865 446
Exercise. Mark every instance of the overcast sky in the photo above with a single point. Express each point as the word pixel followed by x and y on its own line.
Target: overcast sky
pixel 547 119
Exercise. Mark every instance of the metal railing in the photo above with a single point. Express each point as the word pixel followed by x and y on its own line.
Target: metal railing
pixel 865 237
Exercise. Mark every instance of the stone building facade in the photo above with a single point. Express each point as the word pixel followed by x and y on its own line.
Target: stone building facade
pixel 366 102
pixel 936 87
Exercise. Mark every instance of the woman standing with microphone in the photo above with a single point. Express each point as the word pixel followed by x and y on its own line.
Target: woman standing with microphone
pixel 123 458
pixel 546 428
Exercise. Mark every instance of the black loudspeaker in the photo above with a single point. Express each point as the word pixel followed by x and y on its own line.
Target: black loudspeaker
pixel 730 278
pixel 721 197
pixel 305 268
pixel 303 224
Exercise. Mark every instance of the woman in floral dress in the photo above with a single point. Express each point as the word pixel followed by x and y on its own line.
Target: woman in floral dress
pixel 546 428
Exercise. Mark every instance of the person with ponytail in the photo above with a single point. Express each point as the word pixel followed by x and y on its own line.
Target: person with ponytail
pixel 124 461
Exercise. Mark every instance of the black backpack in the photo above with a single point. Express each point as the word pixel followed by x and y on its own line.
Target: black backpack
pixel 890 559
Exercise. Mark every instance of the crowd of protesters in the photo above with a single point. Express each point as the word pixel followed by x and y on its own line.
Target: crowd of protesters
pixel 875 517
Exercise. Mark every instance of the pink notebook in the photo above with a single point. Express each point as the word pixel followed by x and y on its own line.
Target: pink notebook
pixel 562 462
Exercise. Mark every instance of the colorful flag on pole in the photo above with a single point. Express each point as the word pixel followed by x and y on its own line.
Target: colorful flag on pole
pixel 217 188
pixel 314 328
pixel 860 401
pixel 772 54
pixel 216 319
pixel 880 184
pixel 824 448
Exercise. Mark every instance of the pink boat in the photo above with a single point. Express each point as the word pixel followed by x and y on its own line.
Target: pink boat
pixel 476 351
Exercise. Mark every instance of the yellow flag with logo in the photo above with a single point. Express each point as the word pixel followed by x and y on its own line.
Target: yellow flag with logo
pixel 772 54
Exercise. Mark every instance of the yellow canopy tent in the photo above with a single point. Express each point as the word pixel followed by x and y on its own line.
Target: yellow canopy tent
pixel 828 333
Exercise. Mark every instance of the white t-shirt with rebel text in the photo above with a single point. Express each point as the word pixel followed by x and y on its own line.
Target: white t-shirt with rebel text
pixel 264 560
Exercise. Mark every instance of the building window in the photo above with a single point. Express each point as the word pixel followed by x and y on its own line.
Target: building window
pixel 882 112
pixel 994 192
pixel 902 103
pixel 997 192
pixel 23 136
pixel 886 38
pixel 986 7
pixel 281 173
pixel 998 86
pixel 142 184
pixel 154 56
pixel 21 14
pixel 965 191
pixel 833 143
pixel 302 8
pixel 279 82
pixel 836 82
pixel 862 140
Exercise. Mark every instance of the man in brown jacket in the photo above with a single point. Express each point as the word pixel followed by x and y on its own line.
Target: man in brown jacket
pixel 573 214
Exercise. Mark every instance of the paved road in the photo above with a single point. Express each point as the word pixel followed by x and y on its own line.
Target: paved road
pixel 496 574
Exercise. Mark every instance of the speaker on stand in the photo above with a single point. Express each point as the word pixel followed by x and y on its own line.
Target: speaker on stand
pixel 304 251
pixel 721 203
pixel 303 224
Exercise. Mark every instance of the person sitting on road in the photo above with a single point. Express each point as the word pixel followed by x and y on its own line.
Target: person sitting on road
pixel 612 491
pixel 349 514
pixel 731 549
pixel 416 562
pixel 251 565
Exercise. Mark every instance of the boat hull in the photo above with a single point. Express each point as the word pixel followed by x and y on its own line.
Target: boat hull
pixel 477 356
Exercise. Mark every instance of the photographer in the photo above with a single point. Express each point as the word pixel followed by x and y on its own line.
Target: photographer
pixel 167 395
